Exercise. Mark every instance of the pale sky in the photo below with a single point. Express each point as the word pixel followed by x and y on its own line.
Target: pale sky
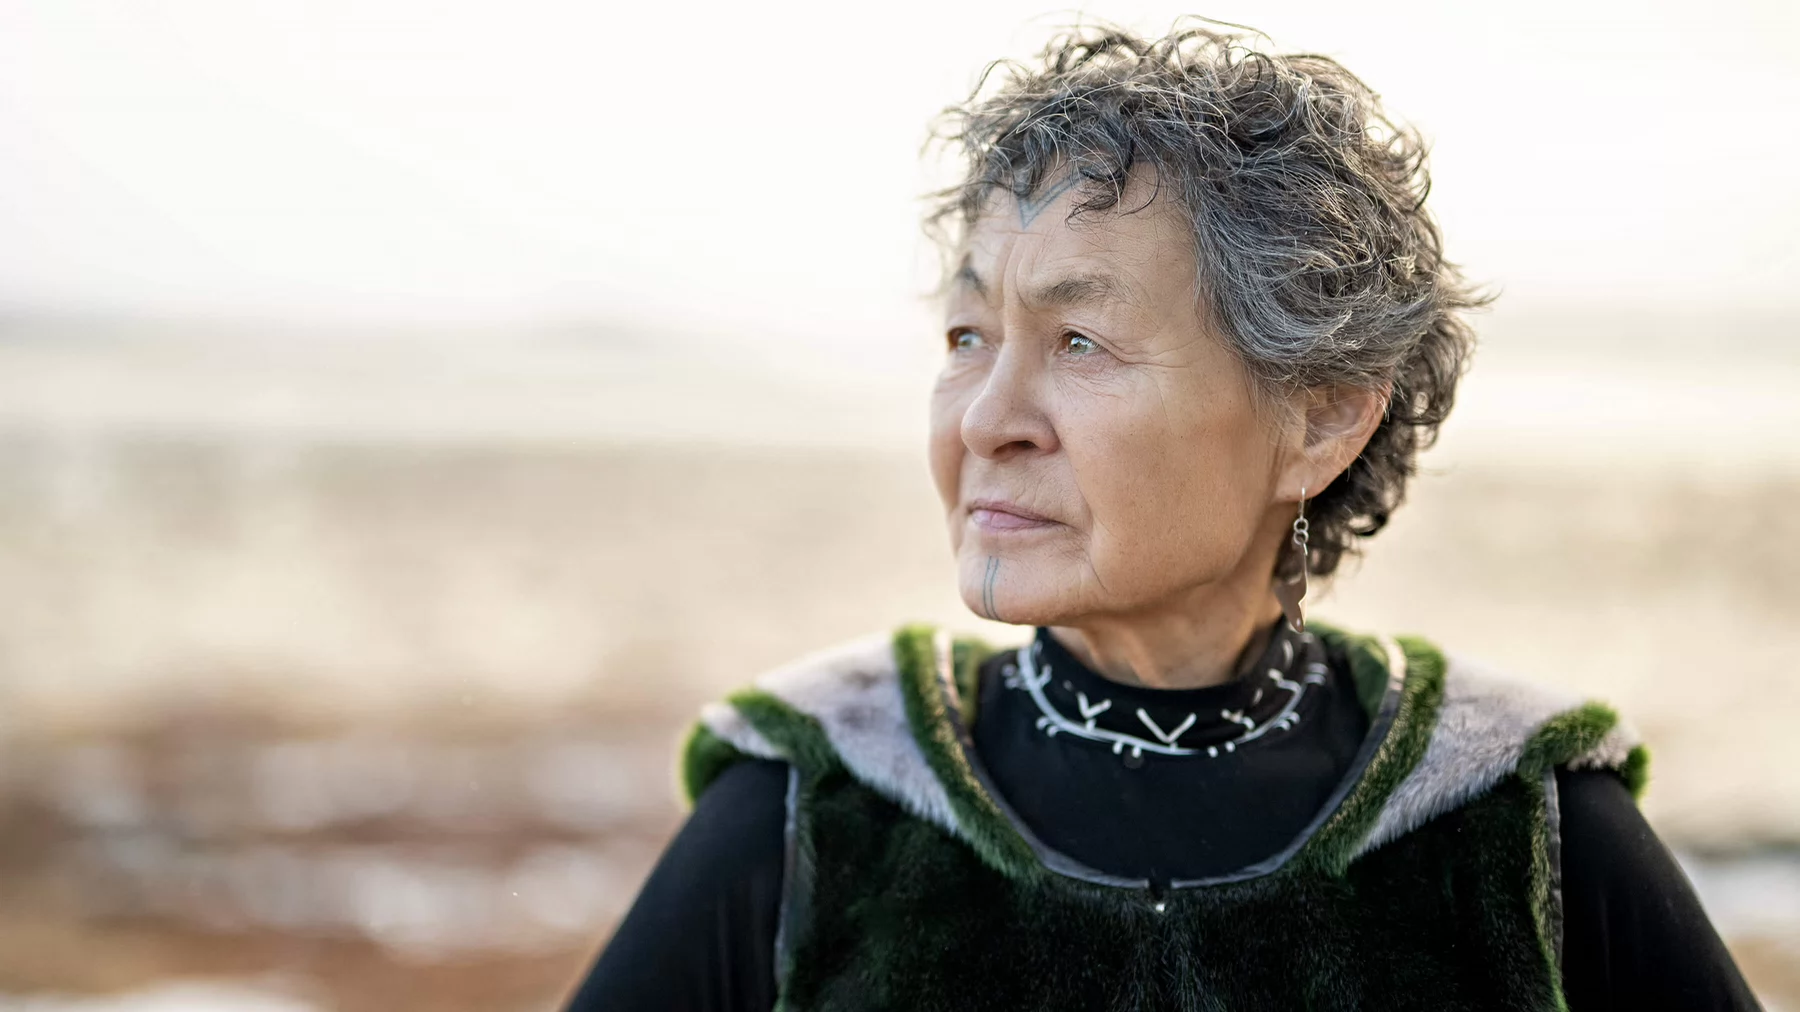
pixel 751 169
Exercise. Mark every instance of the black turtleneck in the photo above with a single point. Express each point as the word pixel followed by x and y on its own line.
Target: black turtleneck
pixel 1259 756
pixel 1143 791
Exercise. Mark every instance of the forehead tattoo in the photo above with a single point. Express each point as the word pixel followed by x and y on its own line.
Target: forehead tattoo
pixel 1033 204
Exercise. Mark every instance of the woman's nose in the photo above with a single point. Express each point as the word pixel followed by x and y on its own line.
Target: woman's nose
pixel 1007 416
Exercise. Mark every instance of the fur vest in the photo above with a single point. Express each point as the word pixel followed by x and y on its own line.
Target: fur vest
pixel 1428 881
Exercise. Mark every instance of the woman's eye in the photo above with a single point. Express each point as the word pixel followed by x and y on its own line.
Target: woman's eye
pixel 1081 344
pixel 963 339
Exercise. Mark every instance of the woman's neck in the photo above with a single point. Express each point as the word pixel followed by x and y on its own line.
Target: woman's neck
pixel 1191 647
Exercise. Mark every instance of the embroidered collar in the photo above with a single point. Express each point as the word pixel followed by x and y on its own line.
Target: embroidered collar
pixel 1072 699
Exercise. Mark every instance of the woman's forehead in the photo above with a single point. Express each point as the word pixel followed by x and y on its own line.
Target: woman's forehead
pixel 1054 251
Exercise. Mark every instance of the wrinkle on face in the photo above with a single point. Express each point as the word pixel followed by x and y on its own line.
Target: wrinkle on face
pixel 1155 459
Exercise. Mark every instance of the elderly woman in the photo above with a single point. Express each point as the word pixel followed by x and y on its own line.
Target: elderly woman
pixel 1198 326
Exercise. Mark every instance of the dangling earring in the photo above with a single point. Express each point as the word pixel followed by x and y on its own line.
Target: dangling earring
pixel 1292 590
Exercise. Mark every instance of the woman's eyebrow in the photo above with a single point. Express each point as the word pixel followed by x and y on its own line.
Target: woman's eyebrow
pixel 1080 289
pixel 966 277
pixel 1072 290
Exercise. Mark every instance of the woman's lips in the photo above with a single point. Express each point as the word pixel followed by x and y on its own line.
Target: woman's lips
pixel 993 515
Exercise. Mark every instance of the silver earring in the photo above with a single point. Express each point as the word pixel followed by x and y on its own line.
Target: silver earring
pixel 1292 590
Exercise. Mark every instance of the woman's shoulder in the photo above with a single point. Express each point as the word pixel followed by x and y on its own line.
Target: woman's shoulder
pixel 1492 718
pixel 856 704
pixel 772 716
pixel 1470 713
pixel 1635 932
pixel 703 925
pixel 1467 724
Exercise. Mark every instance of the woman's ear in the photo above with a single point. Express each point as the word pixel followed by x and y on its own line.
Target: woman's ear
pixel 1336 423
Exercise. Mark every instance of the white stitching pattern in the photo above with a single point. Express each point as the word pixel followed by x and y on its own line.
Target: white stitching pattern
pixel 1025 675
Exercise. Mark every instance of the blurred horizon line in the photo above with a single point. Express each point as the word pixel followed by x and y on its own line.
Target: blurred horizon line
pixel 1600 318
pixel 1553 384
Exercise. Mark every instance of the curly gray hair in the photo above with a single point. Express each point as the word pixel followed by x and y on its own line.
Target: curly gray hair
pixel 1316 253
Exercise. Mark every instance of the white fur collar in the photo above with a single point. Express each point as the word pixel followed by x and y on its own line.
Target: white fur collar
pixel 1484 724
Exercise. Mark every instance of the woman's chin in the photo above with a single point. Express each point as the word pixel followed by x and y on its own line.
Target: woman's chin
pixel 1010 590
pixel 1010 616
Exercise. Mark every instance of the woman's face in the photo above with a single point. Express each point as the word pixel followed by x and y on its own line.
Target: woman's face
pixel 1093 438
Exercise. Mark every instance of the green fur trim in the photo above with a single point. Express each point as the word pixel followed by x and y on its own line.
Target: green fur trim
pixel 1546 913
pixel 1637 771
pixel 1001 846
pixel 704 755
pixel 1566 736
pixel 1331 849
pixel 798 737
pixel 1368 662
pixel 981 821
pixel 795 735
pixel 967 653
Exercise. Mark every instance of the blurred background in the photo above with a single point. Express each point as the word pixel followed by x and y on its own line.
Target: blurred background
pixel 411 412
